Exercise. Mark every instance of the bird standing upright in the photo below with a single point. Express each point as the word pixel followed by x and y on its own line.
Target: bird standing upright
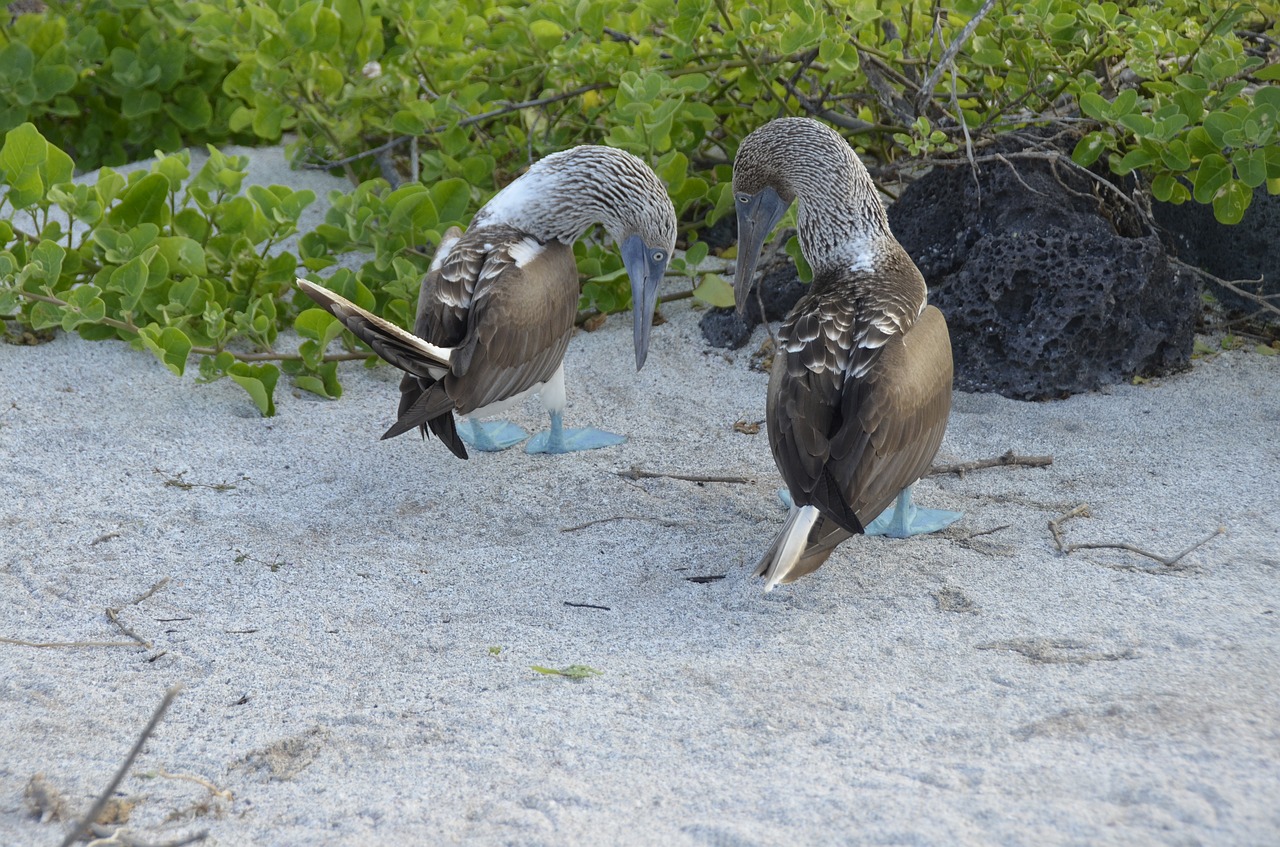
pixel 498 305
pixel 860 388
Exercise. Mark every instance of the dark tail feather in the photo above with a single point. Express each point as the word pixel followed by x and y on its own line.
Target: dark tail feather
pixel 446 429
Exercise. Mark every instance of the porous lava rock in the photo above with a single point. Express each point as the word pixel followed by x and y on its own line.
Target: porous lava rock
pixel 1050 284
pixel 1244 251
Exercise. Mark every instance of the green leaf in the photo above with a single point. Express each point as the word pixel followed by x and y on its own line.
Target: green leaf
pixel 1251 166
pixel 714 290
pixel 1218 125
pixel 189 108
pixel 451 198
pixel 52 80
pixel 1214 172
pixel 83 306
pixel 143 202
pixel 1199 144
pixel 1124 104
pixel 1132 160
pixel 170 345
pixel 45 315
pixel 24 152
pixel 1138 124
pixel 260 382
pixel 1191 104
pixel 1175 156
pixel 1271 155
pixel 696 253
pixel 16 61
pixel 546 34
pixel 184 255
pixel 415 210
pixel 1162 187
pixel 48 256
pixel 1231 201
pixel 130 279
pixel 1089 148
pixel 318 325
pixel 300 27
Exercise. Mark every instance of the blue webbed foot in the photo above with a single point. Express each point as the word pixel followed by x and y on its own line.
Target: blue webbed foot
pixel 901 520
pixel 490 436
pixel 572 440
pixel 558 439
pixel 904 519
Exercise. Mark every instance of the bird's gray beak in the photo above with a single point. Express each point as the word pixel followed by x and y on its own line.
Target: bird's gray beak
pixel 646 271
pixel 756 219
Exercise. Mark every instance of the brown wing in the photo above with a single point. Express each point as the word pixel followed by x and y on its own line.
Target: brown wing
pixel 858 399
pixel 898 414
pixel 519 327
pixel 506 304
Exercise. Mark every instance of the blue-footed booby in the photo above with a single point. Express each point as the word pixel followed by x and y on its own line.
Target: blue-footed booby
pixel 860 387
pixel 498 304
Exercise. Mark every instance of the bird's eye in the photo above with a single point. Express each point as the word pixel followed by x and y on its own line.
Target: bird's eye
pixel 744 198
pixel 659 256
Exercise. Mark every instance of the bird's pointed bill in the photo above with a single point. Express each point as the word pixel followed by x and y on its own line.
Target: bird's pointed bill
pixel 756 219
pixel 646 268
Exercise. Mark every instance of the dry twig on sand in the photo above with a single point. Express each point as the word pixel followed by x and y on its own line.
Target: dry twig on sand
pixel 659 521
pixel 22 643
pixel 1055 528
pixel 637 472
pixel 1007 459
pixel 86 822
pixel 113 614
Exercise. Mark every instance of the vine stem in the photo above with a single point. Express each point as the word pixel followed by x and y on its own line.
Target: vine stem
pixel 266 356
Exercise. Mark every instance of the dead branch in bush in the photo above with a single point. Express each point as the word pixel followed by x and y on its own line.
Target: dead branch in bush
pixel 1263 300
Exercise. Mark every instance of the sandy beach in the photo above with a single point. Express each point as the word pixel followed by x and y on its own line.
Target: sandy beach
pixel 355 623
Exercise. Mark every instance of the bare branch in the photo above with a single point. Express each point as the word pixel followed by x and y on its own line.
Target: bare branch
pixel 637 472
pixel 96 808
pixel 660 521
pixel 1004 460
pixel 1233 286
pixel 931 81
pixel 1055 525
pixel 22 643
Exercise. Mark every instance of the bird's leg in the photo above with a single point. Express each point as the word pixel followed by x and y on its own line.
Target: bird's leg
pixel 559 439
pixel 904 519
pixel 491 436
pixel 901 520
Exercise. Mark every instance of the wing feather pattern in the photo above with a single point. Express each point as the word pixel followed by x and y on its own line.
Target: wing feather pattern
pixel 488 327
pixel 858 402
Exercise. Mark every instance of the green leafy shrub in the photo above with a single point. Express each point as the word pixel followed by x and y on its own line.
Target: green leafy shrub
pixel 182 264
pixel 111 82
pixel 429 106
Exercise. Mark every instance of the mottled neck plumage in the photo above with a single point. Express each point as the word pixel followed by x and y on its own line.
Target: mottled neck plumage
pixel 563 195
pixel 840 219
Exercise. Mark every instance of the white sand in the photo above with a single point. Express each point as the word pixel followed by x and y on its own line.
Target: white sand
pixel 332 617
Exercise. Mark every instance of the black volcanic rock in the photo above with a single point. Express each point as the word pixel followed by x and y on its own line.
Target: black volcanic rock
pixel 1245 251
pixel 1049 285
pixel 779 287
